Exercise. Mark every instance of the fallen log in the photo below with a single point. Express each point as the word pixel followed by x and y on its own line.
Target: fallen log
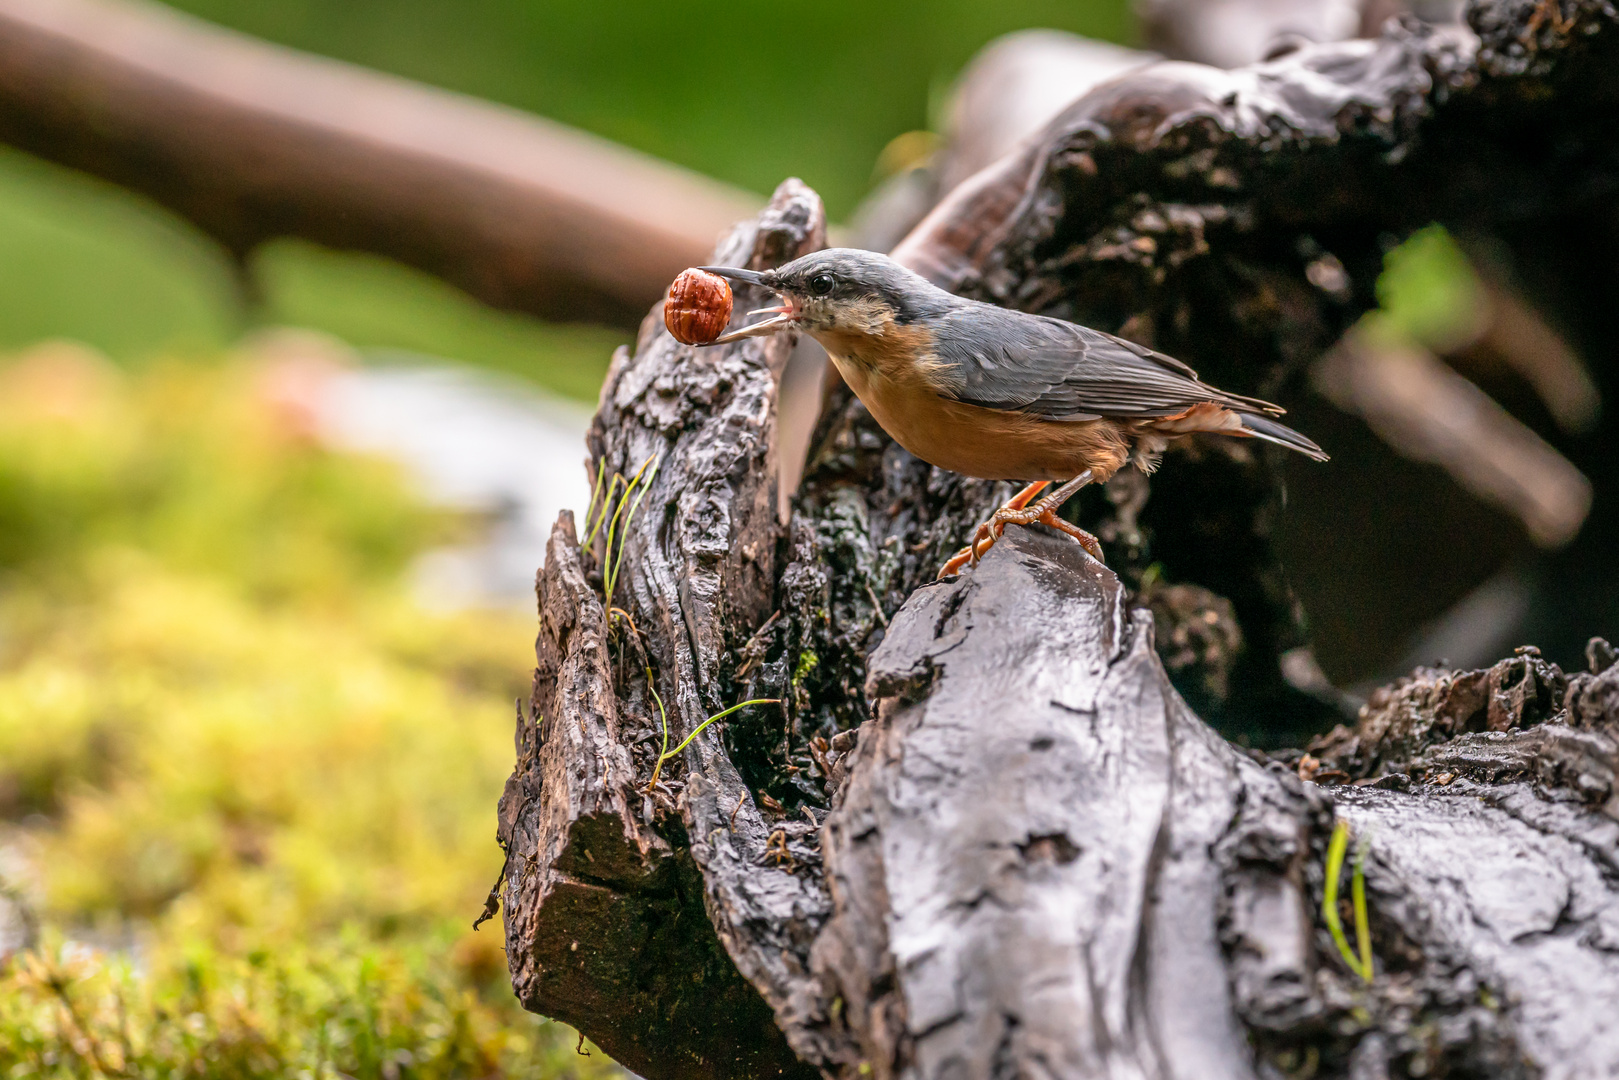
pixel 251 141
pixel 1094 883
pixel 1235 33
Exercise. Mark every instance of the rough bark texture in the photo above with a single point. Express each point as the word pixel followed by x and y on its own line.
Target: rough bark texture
pixel 1032 857
pixel 1238 220
pixel 1489 802
pixel 1096 885
pixel 699 558
pixel 1038 895
pixel 610 913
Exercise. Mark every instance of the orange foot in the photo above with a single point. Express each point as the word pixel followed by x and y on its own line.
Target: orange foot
pixel 1018 512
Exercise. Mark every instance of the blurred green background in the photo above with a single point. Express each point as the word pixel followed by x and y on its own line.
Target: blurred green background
pixel 749 92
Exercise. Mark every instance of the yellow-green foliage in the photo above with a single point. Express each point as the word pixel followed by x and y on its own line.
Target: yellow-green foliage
pixel 1429 293
pixel 246 783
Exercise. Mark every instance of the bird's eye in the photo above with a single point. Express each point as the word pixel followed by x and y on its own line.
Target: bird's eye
pixel 821 284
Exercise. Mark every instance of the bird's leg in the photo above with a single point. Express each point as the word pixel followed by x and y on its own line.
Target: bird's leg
pixel 990 531
pixel 984 533
pixel 1018 512
pixel 1045 512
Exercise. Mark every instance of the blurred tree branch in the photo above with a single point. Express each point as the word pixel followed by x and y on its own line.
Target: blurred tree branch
pixel 251 141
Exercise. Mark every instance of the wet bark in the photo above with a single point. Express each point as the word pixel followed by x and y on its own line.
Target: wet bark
pixel 699 553
pixel 984 834
pixel 1238 220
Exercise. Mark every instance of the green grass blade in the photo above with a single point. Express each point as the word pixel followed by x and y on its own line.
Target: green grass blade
pixel 612 527
pixel 1363 923
pixel 663 722
pixel 595 492
pixel 1336 849
pixel 663 717
pixel 718 716
pixel 607 501
pixel 612 530
pixel 610 582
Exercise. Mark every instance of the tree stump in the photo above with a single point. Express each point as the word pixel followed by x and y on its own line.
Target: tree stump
pixel 984 834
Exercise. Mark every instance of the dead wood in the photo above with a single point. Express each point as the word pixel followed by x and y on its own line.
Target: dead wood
pixel 1239 219
pixel 700 558
pixel 1234 33
pixel 1096 885
pixel 609 912
pixel 1489 797
pixel 1031 857
pixel 250 141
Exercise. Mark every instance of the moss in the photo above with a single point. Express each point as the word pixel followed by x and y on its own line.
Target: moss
pixel 807 662
pixel 234 749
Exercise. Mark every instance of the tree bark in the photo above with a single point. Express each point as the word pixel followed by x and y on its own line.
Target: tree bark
pixel 984 835
pixel 1238 220
pixel 700 571
pixel 1097 884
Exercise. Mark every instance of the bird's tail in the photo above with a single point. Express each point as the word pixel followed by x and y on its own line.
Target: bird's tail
pixel 1263 427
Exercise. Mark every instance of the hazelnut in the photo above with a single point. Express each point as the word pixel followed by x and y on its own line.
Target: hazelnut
pixel 698 307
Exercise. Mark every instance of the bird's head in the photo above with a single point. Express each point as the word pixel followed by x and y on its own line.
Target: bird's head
pixel 839 290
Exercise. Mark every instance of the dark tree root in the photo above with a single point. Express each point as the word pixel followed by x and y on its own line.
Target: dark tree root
pixel 1094 883
pixel 610 913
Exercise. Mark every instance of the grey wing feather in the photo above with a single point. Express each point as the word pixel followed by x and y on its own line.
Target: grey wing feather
pixel 1006 360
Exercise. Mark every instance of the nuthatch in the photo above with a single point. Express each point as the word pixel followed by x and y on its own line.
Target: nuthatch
pixel 998 394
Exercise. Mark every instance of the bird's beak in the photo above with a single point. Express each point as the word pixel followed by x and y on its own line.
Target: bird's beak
pixel 750 277
pixel 781 321
pixel 783 315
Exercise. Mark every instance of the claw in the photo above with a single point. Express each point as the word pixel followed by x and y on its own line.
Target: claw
pixel 986 534
pixel 955 563
pixel 1018 512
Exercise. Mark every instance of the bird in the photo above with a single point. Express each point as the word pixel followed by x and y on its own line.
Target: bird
pixel 994 393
